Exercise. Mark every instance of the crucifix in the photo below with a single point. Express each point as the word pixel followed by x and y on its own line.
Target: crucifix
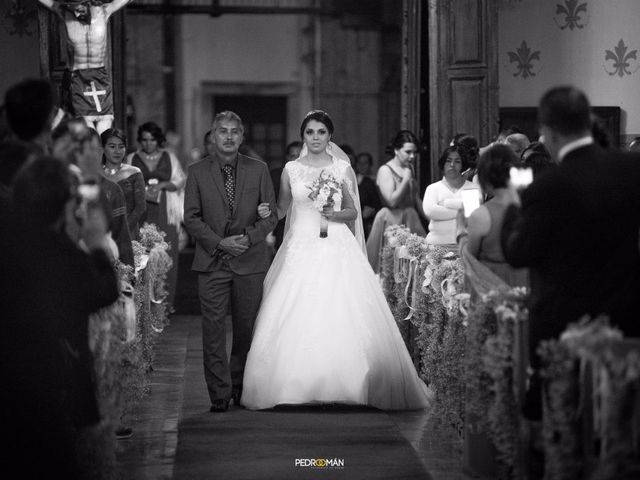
pixel 86 24
pixel 96 95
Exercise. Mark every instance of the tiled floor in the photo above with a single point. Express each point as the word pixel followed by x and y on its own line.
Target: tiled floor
pixel 150 453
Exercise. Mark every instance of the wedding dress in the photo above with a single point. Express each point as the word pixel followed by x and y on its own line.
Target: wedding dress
pixel 324 332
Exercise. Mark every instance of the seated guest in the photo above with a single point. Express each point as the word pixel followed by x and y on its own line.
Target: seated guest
pixel 537 158
pixel 369 198
pixel 128 177
pixel 443 199
pixel 481 237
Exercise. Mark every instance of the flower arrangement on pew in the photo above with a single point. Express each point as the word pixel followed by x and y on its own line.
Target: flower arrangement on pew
pixel 591 370
pixel 400 269
pixel 442 332
pixel 121 338
pixel 423 285
pixel 500 364
pixel 152 264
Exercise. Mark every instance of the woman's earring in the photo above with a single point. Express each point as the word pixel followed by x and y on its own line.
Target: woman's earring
pixel 329 147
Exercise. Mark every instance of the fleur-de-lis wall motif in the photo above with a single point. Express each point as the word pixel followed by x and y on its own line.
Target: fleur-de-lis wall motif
pixel 20 19
pixel 571 11
pixel 522 57
pixel 621 58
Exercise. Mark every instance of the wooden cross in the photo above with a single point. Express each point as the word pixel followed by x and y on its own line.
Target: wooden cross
pixel 95 93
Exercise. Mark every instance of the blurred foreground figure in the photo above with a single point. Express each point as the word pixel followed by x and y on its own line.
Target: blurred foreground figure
pixel 49 288
pixel 577 226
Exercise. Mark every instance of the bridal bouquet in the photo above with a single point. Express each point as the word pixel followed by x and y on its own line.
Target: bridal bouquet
pixel 325 190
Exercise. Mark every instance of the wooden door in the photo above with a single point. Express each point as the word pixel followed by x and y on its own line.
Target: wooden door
pixel 463 72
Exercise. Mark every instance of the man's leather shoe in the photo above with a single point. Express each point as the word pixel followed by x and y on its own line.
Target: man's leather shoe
pixel 219 405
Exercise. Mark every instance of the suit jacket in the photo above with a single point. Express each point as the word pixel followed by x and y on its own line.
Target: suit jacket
pixel 577 231
pixel 208 220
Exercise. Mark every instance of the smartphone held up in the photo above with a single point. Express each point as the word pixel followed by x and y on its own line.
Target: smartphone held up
pixel 470 201
pixel 520 177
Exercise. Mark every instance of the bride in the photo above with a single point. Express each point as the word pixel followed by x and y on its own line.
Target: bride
pixel 324 333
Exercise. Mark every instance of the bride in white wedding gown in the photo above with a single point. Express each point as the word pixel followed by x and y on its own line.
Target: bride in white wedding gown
pixel 324 333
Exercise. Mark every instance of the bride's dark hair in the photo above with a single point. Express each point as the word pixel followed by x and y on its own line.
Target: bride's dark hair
pixel 318 116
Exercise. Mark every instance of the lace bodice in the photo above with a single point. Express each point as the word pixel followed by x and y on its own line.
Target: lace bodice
pixel 301 179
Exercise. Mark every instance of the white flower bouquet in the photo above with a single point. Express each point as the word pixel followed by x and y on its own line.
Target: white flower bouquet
pixel 325 191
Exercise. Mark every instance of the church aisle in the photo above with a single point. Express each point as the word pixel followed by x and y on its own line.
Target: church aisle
pixel 176 437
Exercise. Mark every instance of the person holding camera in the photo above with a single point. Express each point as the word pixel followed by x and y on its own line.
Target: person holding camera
pixel 576 227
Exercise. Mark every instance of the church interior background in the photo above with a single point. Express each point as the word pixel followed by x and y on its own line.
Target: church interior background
pixel 436 67
pixel 376 66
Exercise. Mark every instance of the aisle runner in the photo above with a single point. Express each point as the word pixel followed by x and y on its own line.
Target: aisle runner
pixel 355 443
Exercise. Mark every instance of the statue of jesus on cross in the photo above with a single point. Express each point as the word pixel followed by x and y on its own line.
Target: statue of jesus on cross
pixel 87 82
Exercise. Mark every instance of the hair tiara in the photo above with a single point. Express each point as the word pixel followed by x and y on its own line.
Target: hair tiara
pixel 312 112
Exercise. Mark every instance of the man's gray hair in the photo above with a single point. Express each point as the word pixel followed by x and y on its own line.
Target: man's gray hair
pixel 229 116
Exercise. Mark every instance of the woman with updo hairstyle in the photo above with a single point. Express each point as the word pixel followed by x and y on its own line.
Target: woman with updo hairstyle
pixel 443 199
pixel 399 194
pixel 470 149
pixel 482 235
pixel 164 191
pixel 128 177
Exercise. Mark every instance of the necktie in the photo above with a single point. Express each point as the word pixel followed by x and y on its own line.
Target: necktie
pixel 229 185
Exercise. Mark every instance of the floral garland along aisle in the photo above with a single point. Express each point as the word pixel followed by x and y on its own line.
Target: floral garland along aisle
pixel 474 351
pixel 121 338
pixel 591 370
pixel 466 353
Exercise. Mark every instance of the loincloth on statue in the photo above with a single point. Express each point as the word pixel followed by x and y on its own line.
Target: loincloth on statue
pixel 88 92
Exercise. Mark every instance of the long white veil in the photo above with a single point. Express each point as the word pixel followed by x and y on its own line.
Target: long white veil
pixel 352 185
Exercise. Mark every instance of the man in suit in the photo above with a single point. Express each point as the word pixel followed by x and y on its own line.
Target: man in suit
pixel 220 212
pixel 577 226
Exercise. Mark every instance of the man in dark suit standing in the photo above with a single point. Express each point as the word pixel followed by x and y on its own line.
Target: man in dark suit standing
pixel 220 212
pixel 577 226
